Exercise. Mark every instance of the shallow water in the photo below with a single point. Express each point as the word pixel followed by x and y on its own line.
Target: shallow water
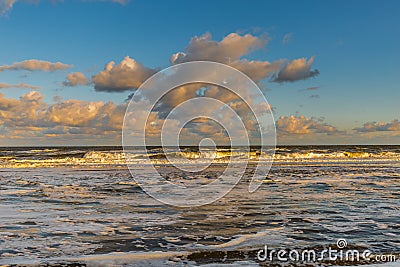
pixel 82 205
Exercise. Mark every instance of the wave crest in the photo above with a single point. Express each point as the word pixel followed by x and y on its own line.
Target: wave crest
pixel 35 158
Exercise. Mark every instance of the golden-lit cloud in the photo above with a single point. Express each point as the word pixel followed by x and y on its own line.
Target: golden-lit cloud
pixel 303 125
pixel 394 125
pixel 75 79
pixel 298 69
pixel 232 49
pixel 35 65
pixel 19 85
pixel 21 112
pixel 257 70
pixel 31 116
pixel 127 75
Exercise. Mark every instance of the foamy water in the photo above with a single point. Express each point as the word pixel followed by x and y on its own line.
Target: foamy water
pixel 82 205
pixel 83 156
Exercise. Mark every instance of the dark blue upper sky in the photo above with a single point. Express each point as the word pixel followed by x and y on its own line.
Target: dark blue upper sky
pixel 355 44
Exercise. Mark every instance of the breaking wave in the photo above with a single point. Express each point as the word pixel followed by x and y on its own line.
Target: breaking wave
pixel 102 156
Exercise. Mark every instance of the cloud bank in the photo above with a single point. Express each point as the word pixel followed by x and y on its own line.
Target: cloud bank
pixel 30 116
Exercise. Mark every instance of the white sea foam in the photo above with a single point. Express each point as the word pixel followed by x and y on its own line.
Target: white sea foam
pixel 47 158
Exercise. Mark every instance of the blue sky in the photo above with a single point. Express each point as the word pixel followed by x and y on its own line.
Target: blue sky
pixel 355 46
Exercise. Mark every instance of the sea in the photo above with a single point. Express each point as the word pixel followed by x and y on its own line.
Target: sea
pixel 80 206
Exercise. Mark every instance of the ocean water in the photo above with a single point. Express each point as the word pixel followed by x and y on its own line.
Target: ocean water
pixel 80 206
